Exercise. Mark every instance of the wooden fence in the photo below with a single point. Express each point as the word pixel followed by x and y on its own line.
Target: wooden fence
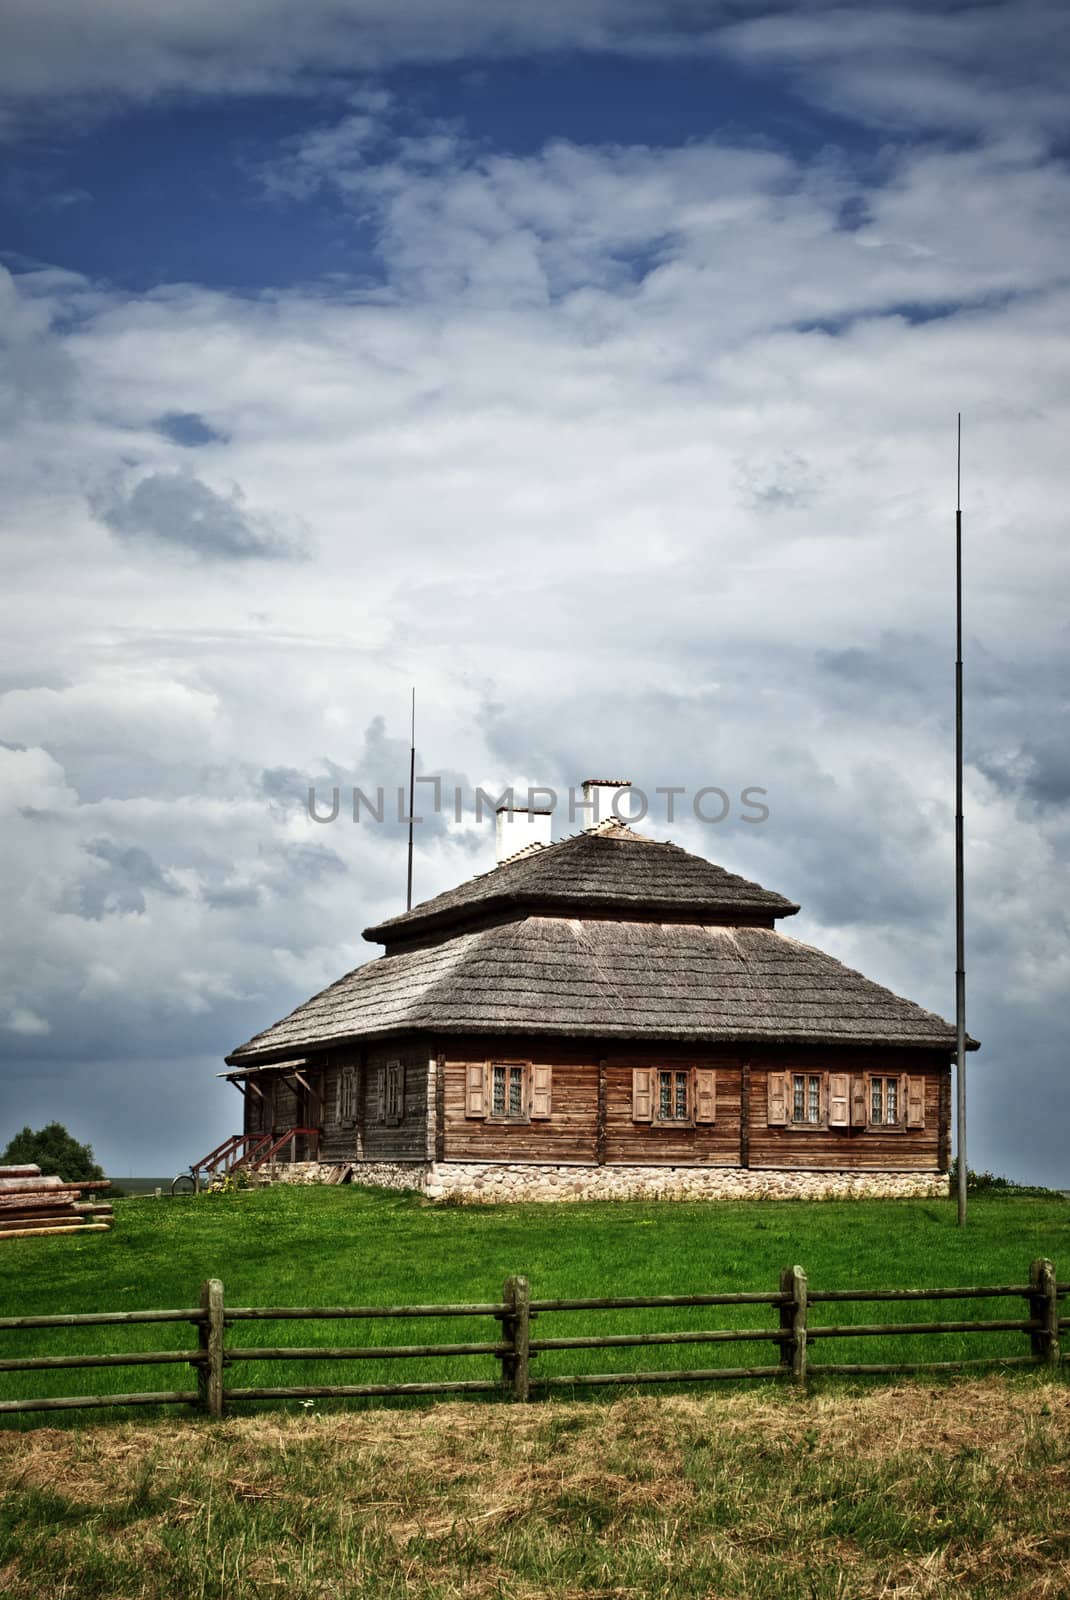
pixel 515 1346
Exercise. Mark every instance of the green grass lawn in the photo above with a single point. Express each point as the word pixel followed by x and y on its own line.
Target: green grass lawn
pixel 351 1246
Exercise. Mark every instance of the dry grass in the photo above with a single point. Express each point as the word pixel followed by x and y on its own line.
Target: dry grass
pixel 907 1491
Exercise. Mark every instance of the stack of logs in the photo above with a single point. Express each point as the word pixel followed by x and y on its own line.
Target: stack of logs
pixel 31 1205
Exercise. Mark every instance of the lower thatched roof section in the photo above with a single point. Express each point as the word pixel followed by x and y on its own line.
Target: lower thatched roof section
pixel 637 980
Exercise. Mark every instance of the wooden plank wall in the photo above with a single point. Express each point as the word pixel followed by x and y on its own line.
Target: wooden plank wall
pixel 367 1137
pixel 591 1108
pixel 587 1078
pixel 406 1140
pixel 631 1143
pixel 859 1149
pixel 568 1135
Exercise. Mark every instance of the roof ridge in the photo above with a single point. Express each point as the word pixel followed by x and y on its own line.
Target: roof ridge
pixel 525 850
pixel 580 869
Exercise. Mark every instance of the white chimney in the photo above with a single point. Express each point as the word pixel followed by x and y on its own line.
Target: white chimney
pixel 599 797
pixel 517 826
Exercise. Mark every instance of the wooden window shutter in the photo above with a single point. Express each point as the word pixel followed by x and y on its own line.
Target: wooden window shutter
pixel 705 1094
pixel 777 1099
pixel 394 1110
pixel 541 1077
pixel 859 1105
pixel 914 1096
pixel 839 1100
pixel 475 1090
pixel 642 1094
pixel 380 1094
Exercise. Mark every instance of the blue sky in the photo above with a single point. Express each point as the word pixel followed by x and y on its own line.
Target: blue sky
pixel 173 192
pixel 592 366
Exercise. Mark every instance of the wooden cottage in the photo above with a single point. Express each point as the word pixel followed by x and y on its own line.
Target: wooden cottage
pixel 607 1016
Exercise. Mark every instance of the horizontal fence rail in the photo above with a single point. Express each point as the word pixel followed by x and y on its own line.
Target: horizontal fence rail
pixel 515 1347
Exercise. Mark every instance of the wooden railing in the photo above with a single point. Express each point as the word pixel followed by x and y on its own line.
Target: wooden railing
pixel 246 1152
pixel 268 1151
pixel 515 1347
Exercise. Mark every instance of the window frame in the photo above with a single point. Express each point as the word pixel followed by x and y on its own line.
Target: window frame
pixel 856 1096
pixel 806 1123
pixel 391 1093
pixel 506 1116
pixel 536 1091
pixel 902 1094
pixel 347 1097
pixel 687 1072
pixel 700 1092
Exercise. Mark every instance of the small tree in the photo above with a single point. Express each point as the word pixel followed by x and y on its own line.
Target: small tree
pixel 55 1151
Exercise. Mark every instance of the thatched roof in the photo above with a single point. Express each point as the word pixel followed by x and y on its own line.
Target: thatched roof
pixel 605 978
pixel 608 868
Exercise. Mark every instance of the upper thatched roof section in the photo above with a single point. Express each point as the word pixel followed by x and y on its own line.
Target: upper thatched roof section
pixel 606 979
pixel 608 868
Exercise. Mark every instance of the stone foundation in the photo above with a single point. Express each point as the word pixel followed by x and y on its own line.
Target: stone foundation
pixel 393 1174
pixel 293 1172
pixel 479 1182
pixel 377 1174
pixel 491 1182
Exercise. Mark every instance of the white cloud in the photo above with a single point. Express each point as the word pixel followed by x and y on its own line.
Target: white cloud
pixel 982 67
pixel 585 471
pixel 19 1020
pixel 256 46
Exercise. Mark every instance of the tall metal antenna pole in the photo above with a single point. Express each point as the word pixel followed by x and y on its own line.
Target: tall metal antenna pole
pixel 412 796
pixel 960 877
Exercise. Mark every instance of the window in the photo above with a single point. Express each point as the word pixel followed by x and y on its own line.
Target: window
pixel 806 1098
pixel 674 1097
pixel 840 1100
pixel 390 1092
pixel 884 1103
pixel 674 1094
pixel 347 1097
pixel 508 1091
pixel 395 1092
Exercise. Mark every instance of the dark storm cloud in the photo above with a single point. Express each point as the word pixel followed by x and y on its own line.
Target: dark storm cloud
pixel 127 871
pixel 380 771
pixel 1037 770
pixel 187 428
pixel 309 862
pixel 288 870
pixel 176 508
pixel 231 896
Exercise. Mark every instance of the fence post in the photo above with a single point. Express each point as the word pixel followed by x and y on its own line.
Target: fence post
pixel 1044 1308
pixel 516 1331
pixel 210 1342
pixel 793 1322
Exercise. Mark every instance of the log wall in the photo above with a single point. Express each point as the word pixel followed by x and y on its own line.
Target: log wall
pixel 591 1119
pixel 591 1122
pixel 363 1135
pixel 859 1149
